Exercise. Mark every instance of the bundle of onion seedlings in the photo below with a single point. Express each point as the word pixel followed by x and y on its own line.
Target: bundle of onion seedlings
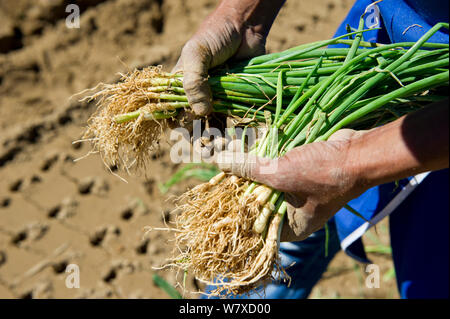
pixel 227 231
pixel 133 113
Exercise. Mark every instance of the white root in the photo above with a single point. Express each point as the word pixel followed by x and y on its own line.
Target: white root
pixel 217 179
pixel 226 221
pixel 266 256
pixel 261 220
pixel 234 179
pixel 262 193
pixel 219 237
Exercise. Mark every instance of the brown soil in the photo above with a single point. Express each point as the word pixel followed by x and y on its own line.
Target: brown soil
pixel 54 211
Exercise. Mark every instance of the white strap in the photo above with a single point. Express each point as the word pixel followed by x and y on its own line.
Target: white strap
pixel 386 211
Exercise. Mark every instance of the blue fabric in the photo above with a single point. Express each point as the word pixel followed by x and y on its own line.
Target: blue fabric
pixel 420 239
pixel 431 11
pixel 372 20
pixel 398 16
pixel 413 280
pixel 368 205
pixel 398 20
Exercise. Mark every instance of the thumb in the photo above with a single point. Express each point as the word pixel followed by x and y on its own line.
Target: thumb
pixel 303 217
pixel 298 224
pixel 179 66
pixel 196 61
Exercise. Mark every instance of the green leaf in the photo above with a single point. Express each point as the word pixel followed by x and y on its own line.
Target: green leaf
pixel 389 275
pixel 354 212
pixel 168 288
pixel 378 249
pixel 201 171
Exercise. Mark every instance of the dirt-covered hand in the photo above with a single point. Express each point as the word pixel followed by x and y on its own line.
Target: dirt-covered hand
pixel 236 29
pixel 316 178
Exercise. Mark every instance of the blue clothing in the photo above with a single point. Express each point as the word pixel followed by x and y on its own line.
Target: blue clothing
pixel 420 239
pixel 419 226
pixel 399 22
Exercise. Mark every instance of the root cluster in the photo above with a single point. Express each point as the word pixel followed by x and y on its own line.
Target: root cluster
pixel 129 143
pixel 215 240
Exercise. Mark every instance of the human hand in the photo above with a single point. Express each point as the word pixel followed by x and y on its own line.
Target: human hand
pixel 318 179
pixel 236 29
pixel 321 177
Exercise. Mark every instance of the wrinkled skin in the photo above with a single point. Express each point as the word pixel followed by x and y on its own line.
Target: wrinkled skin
pixel 237 29
pixel 321 177
pixel 315 178
pixel 318 178
pixel 211 46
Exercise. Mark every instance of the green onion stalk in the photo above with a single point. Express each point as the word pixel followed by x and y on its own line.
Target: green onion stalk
pixel 228 229
pixel 133 112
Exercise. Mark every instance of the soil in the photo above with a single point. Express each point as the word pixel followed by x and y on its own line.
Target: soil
pixel 55 212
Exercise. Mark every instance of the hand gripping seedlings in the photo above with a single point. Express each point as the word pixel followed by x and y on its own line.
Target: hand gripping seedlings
pixel 133 113
pixel 227 230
